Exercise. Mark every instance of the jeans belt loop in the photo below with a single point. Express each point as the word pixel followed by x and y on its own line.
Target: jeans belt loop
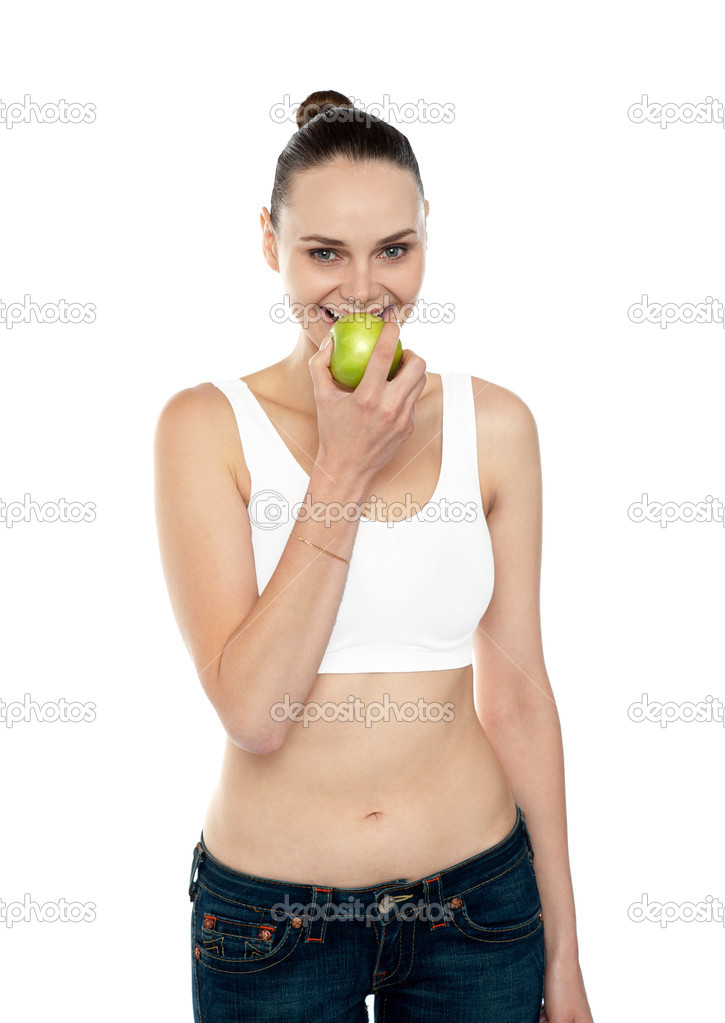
pixel 318 914
pixel 434 902
pixel 198 857
pixel 527 837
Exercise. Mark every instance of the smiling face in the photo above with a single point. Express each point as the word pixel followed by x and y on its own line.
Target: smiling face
pixel 352 238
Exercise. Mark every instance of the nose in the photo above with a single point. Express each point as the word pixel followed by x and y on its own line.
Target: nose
pixel 363 289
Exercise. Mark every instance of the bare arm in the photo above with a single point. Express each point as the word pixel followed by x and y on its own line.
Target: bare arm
pixel 250 650
pixel 514 698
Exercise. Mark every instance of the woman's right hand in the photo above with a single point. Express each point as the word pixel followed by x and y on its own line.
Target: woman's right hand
pixel 360 430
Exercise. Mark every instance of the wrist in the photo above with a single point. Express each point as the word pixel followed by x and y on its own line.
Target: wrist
pixel 339 482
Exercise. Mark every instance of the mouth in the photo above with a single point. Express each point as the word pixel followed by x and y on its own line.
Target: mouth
pixel 332 317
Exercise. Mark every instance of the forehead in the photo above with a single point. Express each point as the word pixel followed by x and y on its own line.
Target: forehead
pixel 342 198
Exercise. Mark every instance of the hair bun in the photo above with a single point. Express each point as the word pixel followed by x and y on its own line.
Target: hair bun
pixel 316 103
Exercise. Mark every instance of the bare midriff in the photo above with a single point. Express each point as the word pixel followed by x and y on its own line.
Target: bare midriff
pixel 350 803
pixel 356 803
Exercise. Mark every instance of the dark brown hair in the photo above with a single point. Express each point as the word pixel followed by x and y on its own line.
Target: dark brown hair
pixel 329 126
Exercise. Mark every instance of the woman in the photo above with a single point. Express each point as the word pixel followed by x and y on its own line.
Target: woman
pixel 373 839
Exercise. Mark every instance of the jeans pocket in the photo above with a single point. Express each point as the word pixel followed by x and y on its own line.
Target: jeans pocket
pixel 505 909
pixel 236 937
pixel 248 935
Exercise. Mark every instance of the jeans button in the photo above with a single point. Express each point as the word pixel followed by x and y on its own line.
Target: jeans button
pixel 387 902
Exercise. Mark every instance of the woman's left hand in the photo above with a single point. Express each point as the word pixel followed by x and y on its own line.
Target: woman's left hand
pixel 565 1000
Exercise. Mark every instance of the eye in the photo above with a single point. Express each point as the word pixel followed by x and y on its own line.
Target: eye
pixel 402 248
pixel 315 254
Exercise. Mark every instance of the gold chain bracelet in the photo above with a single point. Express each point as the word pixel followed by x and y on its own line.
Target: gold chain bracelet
pixel 319 548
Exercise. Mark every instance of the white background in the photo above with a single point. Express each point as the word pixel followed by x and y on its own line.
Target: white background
pixel 551 213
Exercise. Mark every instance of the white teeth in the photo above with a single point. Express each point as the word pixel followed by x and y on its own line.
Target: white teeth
pixel 346 312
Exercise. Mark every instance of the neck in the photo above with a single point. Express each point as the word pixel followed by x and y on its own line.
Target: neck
pixel 295 379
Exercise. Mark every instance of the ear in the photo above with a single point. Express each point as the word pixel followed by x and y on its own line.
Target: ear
pixel 269 243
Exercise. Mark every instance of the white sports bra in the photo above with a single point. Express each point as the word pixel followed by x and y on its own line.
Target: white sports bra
pixel 416 588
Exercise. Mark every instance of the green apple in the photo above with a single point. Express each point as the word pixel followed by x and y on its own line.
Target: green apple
pixel 354 337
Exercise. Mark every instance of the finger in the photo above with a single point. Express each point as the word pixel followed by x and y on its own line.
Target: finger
pixel 321 359
pixel 381 357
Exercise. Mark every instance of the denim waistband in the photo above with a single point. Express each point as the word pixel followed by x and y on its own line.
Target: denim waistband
pixel 441 885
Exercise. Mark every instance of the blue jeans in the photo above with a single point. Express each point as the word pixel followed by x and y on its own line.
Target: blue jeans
pixel 464 944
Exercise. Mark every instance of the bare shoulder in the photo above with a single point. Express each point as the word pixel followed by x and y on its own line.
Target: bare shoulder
pixel 500 410
pixel 199 419
pixel 200 407
pixel 507 435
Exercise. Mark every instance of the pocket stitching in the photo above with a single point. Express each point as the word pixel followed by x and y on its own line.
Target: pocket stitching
pixel 490 879
pixel 210 962
pixel 231 902
pixel 213 940
pixel 236 964
pixel 536 918
pixel 526 925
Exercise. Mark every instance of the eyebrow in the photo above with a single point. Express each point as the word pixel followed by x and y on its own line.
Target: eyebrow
pixel 340 244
